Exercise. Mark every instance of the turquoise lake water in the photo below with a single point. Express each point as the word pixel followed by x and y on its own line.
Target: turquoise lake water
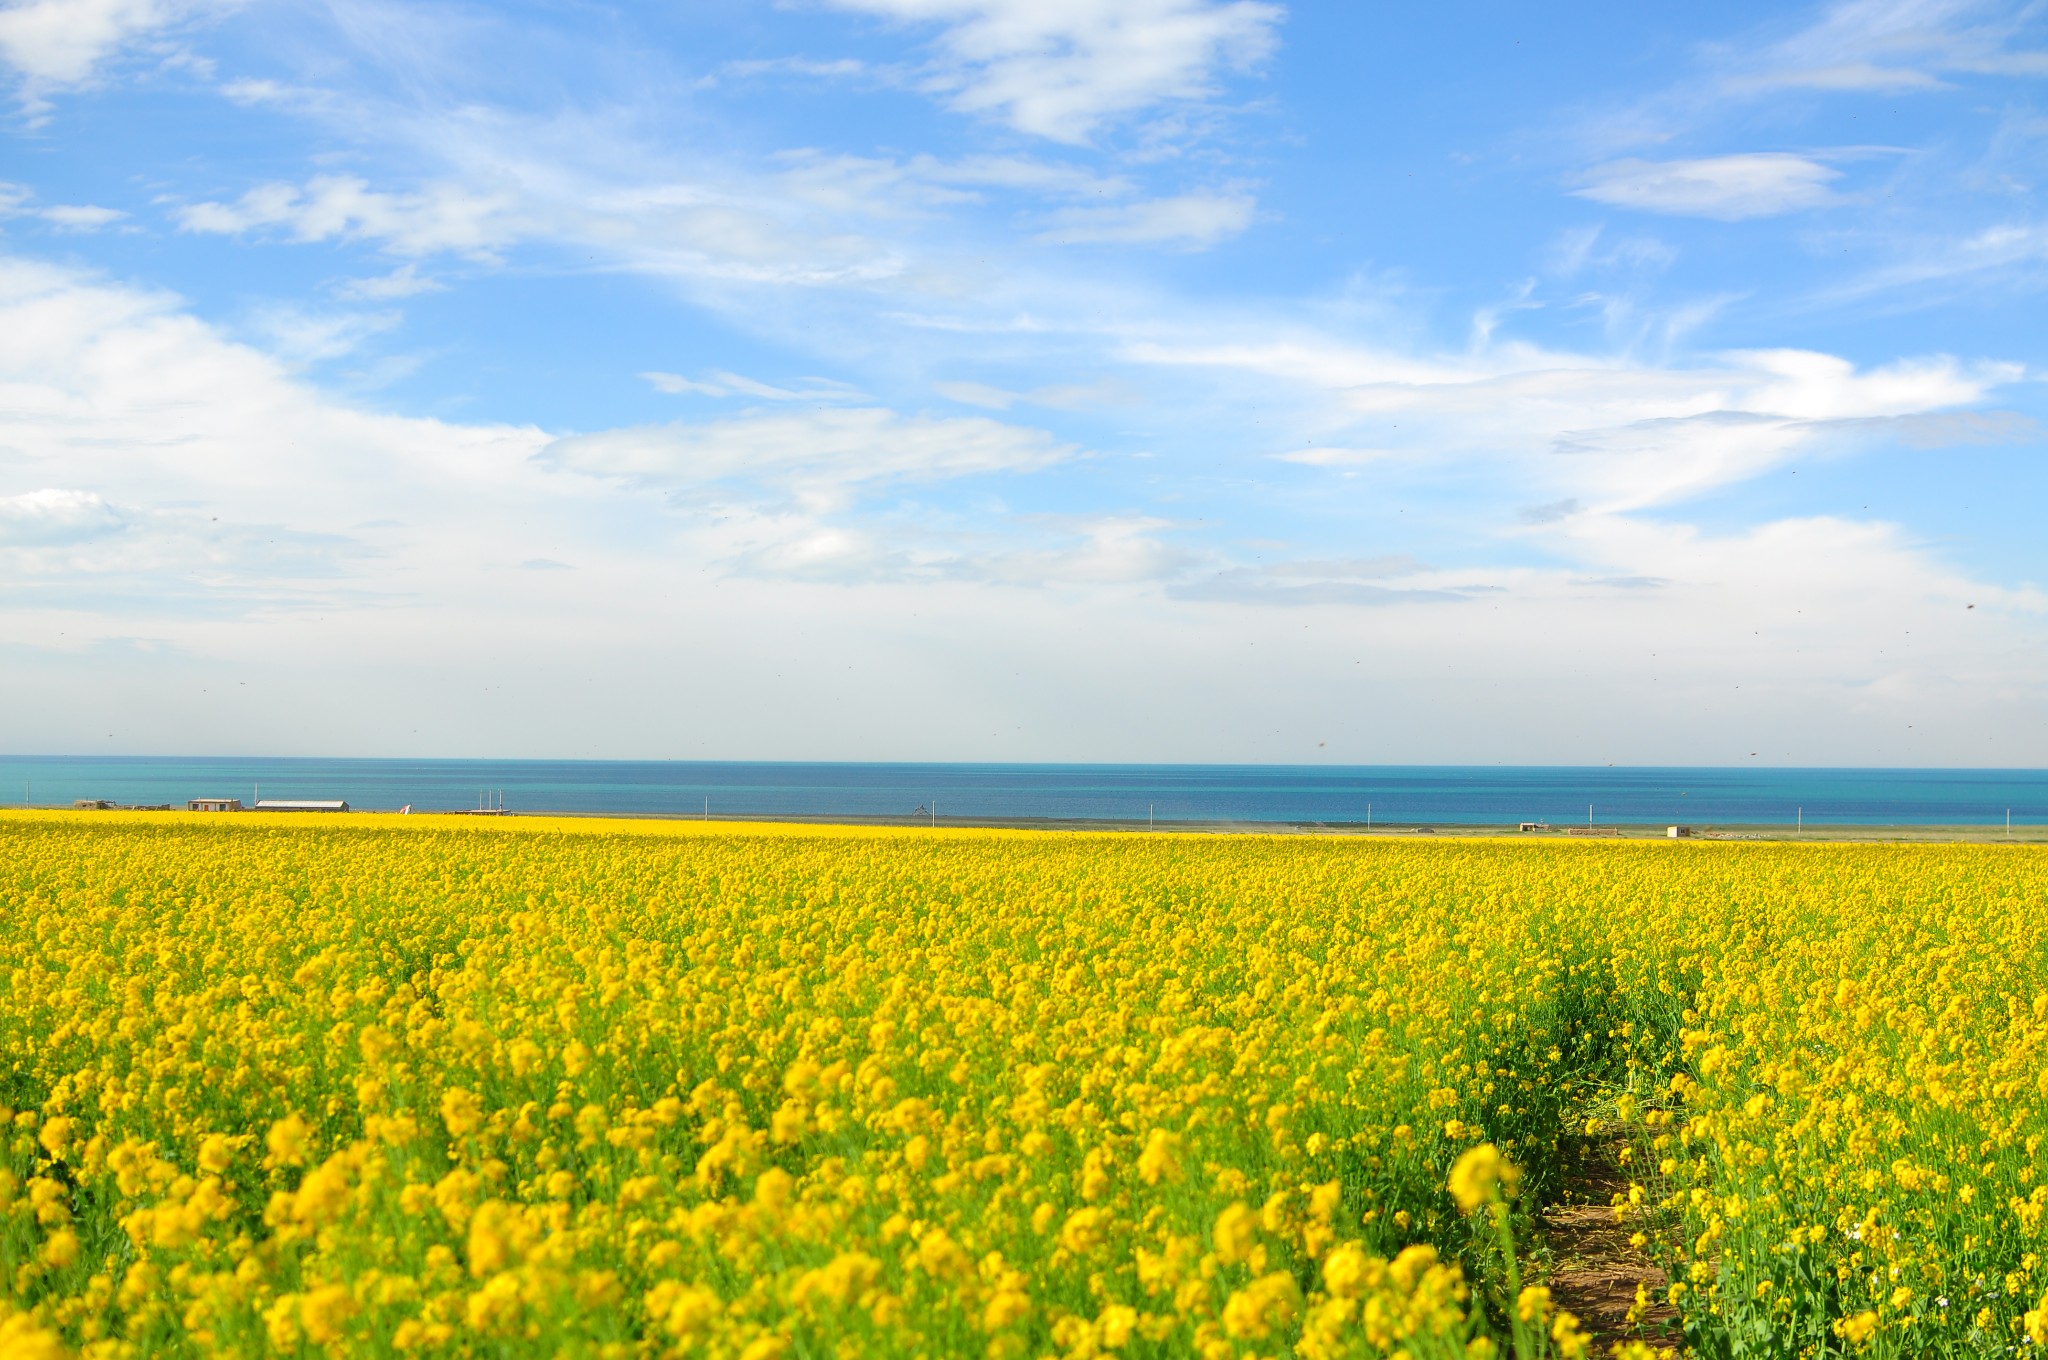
pixel 1462 795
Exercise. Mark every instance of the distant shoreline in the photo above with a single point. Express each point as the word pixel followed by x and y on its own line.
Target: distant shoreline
pixel 1391 831
pixel 1959 833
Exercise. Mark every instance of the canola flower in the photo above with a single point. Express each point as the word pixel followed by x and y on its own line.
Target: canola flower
pixel 599 1089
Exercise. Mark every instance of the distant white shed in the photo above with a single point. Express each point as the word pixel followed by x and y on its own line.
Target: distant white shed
pixel 301 805
pixel 213 805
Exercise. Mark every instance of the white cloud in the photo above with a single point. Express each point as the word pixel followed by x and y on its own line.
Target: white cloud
pixel 1987 256
pixel 232 483
pixel 1254 587
pixel 503 192
pixel 19 201
pixel 1094 549
pixel 1346 583
pixel 898 187
pixel 1336 456
pixel 1728 188
pixel 1035 552
pixel 1850 49
pixel 1194 221
pixel 243 490
pixel 299 336
pixel 383 582
pixel 1061 396
pixel 719 383
pixel 676 385
pixel 253 91
pixel 442 217
pixel 602 190
pixel 819 452
pixel 1842 78
pixel 1617 436
pixel 403 282
pixel 81 216
pixel 55 43
pixel 1052 178
pixel 977 394
pixel 54 516
pixel 1061 69
pixel 837 68
pixel 1894 46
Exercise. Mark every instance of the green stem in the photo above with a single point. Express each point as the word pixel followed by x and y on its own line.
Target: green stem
pixel 1526 1348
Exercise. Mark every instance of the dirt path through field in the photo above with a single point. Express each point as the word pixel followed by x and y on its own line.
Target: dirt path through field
pixel 1594 1271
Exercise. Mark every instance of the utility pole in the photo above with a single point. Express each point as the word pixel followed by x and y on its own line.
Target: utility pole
pixel 1799 822
pixel 935 814
pixel 707 807
pixel 1148 819
pixel 1589 814
pixel 1368 816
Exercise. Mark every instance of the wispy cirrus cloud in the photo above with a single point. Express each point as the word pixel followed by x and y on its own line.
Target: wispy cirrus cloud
pixel 808 67
pixel 1191 221
pixel 818 453
pixel 1726 188
pixel 1952 218
pixel 1103 392
pixel 2004 255
pixel 645 214
pixel 403 282
pixel 1062 69
pixel 1892 47
pixel 720 383
pixel 1846 50
pixel 1851 77
pixel 441 217
pixel 1605 435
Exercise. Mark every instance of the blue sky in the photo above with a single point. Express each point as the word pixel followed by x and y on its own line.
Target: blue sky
pixel 1025 379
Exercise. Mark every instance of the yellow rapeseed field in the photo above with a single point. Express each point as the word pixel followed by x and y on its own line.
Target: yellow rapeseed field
pixel 381 1086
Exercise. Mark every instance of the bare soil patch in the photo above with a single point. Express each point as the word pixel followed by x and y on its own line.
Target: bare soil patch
pixel 1595 1272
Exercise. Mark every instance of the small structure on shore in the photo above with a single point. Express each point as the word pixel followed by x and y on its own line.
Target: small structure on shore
pixel 91 804
pixel 1674 832
pixel 213 805
pixel 1533 826
pixel 301 805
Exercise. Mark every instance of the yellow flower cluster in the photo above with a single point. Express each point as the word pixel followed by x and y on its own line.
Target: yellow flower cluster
pixel 1846 1151
pixel 578 1088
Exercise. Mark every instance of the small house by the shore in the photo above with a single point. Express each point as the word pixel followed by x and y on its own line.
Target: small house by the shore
pixel 1675 832
pixel 213 805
